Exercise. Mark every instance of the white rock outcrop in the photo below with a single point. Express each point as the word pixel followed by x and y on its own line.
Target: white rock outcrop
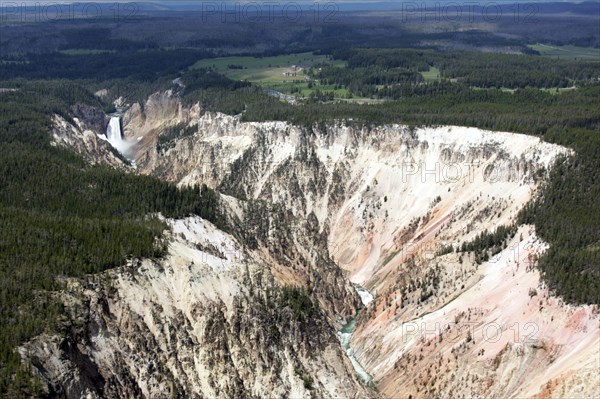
pixel 323 207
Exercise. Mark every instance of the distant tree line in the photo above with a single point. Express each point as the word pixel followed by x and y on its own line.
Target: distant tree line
pixel 484 70
pixel 140 65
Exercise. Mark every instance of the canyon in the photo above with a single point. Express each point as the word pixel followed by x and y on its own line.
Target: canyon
pixel 368 221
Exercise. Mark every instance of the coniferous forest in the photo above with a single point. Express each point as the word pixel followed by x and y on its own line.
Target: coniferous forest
pixel 61 217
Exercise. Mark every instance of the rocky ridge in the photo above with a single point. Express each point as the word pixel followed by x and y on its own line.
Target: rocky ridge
pixel 385 207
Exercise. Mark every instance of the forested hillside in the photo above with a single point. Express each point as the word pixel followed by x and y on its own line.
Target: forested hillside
pixel 473 69
pixel 61 217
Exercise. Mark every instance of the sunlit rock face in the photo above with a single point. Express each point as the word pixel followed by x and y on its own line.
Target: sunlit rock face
pixel 83 137
pixel 208 320
pixel 332 206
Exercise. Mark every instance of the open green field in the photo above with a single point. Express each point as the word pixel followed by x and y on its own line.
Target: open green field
pixel 551 90
pixel 85 51
pixel 557 90
pixel 302 89
pixel 284 73
pixel 432 75
pixel 12 62
pixel 265 69
pixel 568 52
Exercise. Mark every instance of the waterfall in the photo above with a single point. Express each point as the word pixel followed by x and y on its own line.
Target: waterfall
pixel 365 296
pixel 115 138
pixel 113 131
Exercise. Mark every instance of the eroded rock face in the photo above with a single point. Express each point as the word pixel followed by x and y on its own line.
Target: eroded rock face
pixel 160 110
pixel 493 331
pixel 373 194
pixel 380 207
pixel 82 137
pixel 207 321
pixel 91 118
pixel 388 200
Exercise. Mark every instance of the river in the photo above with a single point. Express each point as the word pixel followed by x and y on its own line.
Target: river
pixel 345 336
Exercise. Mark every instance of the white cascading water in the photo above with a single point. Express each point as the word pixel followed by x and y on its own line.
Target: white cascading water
pixel 345 335
pixel 114 135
